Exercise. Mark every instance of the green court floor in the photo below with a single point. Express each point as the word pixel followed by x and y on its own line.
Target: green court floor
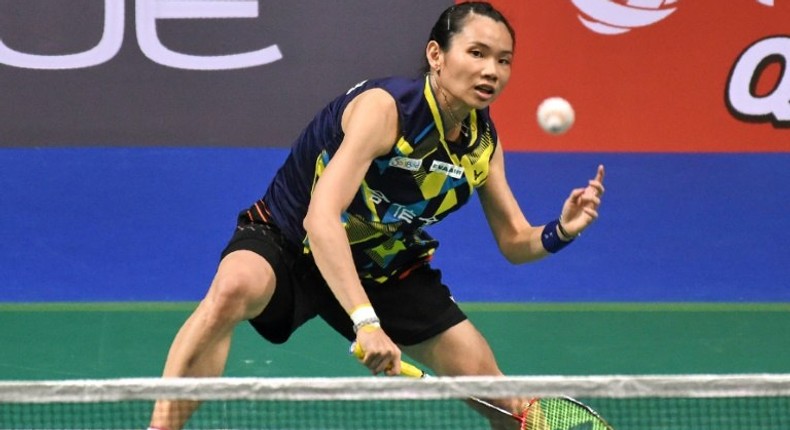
pixel 106 340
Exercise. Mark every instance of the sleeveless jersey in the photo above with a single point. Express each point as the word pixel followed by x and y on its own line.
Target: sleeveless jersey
pixel 420 181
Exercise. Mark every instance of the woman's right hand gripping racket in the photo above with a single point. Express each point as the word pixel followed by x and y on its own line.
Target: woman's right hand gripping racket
pixel 551 413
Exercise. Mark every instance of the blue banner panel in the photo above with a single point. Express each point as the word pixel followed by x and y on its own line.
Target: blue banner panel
pixel 147 224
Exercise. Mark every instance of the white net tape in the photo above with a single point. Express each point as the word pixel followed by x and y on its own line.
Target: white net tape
pixel 371 388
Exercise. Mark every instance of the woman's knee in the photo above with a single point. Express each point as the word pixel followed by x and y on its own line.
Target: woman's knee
pixel 242 287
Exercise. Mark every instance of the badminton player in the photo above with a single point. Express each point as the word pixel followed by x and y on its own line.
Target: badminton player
pixel 341 231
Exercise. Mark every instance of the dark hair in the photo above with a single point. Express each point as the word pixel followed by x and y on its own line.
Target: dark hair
pixel 452 21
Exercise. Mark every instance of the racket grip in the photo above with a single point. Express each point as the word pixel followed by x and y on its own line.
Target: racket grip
pixel 410 370
pixel 406 369
pixel 356 350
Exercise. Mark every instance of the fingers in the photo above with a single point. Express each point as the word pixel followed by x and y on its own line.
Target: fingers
pixel 590 198
pixel 592 213
pixel 586 196
pixel 581 208
pixel 586 216
pixel 394 369
pixel 382 363
pixel 378 353
pixel 595 187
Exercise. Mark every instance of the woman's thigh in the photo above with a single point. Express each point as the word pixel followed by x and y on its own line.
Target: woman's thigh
pixel 458 351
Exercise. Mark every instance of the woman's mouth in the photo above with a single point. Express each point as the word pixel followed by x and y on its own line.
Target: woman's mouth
pixel 485 92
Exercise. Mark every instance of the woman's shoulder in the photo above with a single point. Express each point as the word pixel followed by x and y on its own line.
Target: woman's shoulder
pixel 397 86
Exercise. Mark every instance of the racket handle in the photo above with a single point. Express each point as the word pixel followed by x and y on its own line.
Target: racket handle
pixel 412 371
pixel 406 369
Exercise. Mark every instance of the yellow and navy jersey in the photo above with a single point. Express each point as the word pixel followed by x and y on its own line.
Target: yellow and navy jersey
pixel 420 181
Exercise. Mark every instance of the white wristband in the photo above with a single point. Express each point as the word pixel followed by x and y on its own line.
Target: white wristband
pixel 364 315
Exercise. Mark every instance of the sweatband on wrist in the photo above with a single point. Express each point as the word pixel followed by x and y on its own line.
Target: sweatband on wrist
pixel 550 239
pixel 364 316
pixel 565 232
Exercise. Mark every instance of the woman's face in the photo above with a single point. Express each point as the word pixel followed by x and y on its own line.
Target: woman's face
pixel 476 68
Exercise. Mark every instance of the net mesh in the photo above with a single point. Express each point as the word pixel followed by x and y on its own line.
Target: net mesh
pixel 692 402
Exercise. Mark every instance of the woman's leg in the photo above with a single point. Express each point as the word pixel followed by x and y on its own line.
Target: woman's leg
pixel 241 289
pixel 463 351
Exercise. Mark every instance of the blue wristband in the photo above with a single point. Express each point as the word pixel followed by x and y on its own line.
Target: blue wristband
pixel 550 239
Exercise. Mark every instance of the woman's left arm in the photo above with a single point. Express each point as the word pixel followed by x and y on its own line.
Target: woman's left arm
pixel 518 240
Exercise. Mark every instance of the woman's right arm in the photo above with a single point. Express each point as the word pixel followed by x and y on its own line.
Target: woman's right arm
pixel 370 125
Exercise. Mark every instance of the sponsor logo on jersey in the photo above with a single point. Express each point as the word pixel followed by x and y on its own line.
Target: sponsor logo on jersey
pixel 405 163
pixel 447 168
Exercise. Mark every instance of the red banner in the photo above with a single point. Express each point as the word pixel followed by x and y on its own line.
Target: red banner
pixel 651 75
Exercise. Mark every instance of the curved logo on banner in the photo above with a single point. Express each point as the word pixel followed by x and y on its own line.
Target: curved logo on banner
pixel 743 99
pixel 110 44
pixel 148 12
pixel 610 17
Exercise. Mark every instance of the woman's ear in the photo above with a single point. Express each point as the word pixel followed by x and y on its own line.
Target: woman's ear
pixel 433 53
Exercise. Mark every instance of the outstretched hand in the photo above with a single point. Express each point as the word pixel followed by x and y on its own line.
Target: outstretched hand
pixel 581 207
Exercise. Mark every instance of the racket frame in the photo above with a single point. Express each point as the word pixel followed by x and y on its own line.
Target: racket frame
pixel 409 370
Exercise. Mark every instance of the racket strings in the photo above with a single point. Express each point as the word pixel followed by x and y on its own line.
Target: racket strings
pixel 561 414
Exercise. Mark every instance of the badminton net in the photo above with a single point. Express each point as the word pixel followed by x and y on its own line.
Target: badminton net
pixel 677 402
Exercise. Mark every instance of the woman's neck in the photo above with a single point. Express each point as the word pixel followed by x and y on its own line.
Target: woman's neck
pixel 452 119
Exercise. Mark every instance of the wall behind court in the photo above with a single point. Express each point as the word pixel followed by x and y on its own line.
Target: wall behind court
pixel 121 180
pixel 645 76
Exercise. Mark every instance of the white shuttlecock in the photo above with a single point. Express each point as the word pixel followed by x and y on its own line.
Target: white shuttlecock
pixel 555 115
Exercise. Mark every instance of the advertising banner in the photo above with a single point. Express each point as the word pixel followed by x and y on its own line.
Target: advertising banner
pixel 192 72
pixel 651 75
pixel 642 75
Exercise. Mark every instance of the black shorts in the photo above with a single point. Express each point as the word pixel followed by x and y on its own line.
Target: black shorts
pixel 411 310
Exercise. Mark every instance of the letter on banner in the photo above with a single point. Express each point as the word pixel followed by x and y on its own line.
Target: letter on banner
pixel 740 95
pixel 108 46
pixel 148 11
